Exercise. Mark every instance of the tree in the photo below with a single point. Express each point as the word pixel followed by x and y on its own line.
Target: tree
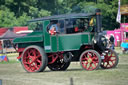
pixel 19 11
pixel 109 12
pixel 7 18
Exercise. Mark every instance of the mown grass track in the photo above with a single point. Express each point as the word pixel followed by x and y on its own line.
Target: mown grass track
pixel 12 73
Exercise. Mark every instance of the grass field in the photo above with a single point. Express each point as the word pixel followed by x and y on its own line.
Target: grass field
pixel 12 73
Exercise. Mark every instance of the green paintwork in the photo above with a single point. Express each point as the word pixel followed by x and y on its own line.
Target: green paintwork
pixel 72 41
pixel 55 43
pixel 47 44
pixel 24 45
pixel 68 42
pixel 32 37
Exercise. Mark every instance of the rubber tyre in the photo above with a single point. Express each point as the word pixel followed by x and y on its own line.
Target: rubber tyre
pixel 116 61
pixel 95 53
pixel 43 57
pixel 58 66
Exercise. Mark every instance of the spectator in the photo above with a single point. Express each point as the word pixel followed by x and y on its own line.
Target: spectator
pixel 111 42
pixel 124 46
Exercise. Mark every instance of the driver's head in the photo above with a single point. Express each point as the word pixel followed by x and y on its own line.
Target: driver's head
pixel 58 24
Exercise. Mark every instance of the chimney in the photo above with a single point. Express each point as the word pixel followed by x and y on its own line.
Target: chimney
pixel 98 20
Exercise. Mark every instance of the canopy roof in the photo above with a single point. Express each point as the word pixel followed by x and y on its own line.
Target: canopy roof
pixel 9 35
pixel 65 16
pixel 2 31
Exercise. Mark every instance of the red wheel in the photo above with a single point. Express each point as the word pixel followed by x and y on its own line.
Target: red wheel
pixel 59 64
pixel 110 59
pixel 34 59
pixel 90 60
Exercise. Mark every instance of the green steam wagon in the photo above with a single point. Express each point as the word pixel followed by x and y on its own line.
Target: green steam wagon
pixel 59 40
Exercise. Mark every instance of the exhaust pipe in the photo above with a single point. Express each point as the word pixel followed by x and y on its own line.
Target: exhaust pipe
pixel 100 42
pixel 98 21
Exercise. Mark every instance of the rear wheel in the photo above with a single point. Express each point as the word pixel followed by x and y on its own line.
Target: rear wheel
pixel 110 60
pixel 59 64
pixel 34 59
pixel 90 60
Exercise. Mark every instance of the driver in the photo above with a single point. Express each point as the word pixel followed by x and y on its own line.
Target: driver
pixel 54 29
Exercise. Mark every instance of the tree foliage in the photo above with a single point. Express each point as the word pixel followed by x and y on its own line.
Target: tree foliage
pixel 17 12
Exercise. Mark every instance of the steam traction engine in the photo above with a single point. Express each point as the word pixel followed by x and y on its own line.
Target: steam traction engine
pixel 77 37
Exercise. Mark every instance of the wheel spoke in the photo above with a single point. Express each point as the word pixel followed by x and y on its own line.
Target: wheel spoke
pixel 26 62
pixel 34 52
pixel 93 67
pixel 58 62
pixel 106 64
pixel 33 68
pixel 94 63
pixel 112 63
pixel 110 60
pixel 85 64
pixel 29 67
pixel 89 55
pixel 28 54
pixel 109 65
pixel 38 61
pixel 30 51
pixel 38 56
pixel 90 65
pixel 36 66
pixel 94 58
pixel 32 59
pixel 85 58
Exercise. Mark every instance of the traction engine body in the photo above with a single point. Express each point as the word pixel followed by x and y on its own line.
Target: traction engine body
pixel 77 37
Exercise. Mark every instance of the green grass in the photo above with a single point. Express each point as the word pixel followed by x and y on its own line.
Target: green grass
pixel 12 57
pixel 12 54
pixel 13 74
pixel 10 62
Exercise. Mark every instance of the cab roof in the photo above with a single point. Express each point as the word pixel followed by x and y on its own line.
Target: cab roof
pixel 63 16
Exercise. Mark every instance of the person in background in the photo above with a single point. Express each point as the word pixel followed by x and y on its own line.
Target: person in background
pixel 124 46
pixel 111 42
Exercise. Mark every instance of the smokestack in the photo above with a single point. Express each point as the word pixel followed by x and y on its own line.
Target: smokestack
pixel 98 20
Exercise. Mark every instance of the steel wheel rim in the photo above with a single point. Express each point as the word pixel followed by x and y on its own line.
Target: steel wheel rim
pixel 89 60
pixel 32 60
pixel 110 59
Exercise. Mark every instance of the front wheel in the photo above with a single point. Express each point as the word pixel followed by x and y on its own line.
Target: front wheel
pixel 110 60
pixel 34 59
pixel 90 60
